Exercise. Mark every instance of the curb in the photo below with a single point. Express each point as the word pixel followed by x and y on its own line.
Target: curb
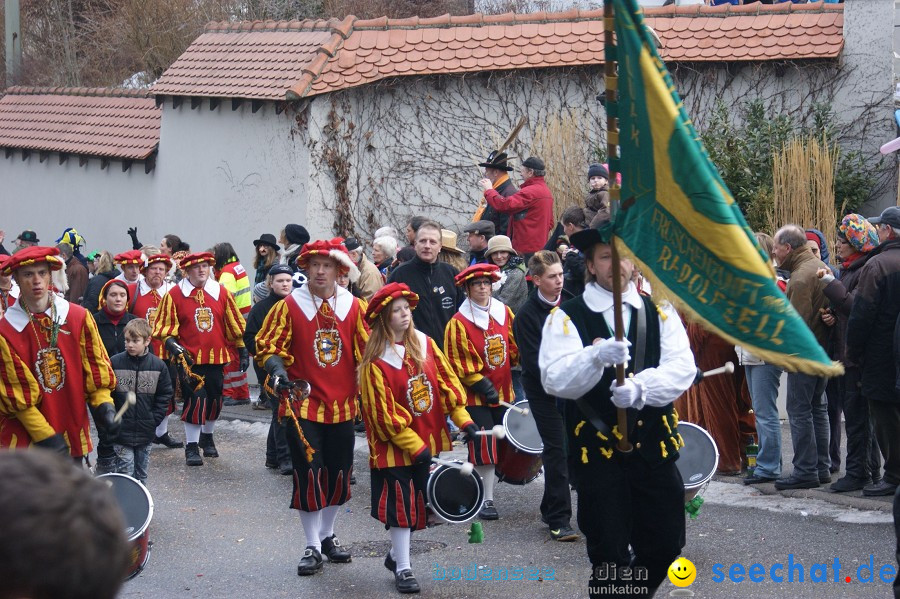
pixel 853 499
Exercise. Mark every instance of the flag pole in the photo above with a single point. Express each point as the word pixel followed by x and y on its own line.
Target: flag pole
pixel 611 83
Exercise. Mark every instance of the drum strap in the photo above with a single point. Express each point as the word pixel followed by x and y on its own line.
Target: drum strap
pixel 640 354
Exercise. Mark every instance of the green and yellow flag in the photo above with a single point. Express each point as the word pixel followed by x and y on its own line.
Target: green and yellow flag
pixel 680 223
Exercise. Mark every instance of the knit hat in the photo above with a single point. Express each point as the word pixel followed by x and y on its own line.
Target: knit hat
pixel 130 257
pixel 196 258
pixel 33 255
pixel 476 271
pixel 387 294
pixel 499 243
pixel 334 249
pixel 534 163
pixel 296 234
pixel 598 170
pixel 859 233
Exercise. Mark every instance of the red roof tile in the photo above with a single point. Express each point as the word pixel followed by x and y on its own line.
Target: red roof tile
pixel 112 123
pixel 274 60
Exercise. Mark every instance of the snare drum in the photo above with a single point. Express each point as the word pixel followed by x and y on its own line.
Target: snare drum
pixel 137 508
pixel 519 454
pixel 697 460
pixel 453 497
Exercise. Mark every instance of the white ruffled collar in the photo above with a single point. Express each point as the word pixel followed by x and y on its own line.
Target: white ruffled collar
pixel 211 287
pixel 19 319
pixel 394 355
pixel 599 299
pixel 143 288
pixel 479 316
pixel 340 303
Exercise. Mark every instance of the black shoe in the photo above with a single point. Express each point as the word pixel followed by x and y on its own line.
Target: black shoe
pixel 755 479
pixel 879 489
pixel 791 482
pixel 208 445
pixel 564 534
pixel 848 483
pixel 824 479
pixel 192 455
pixel 488 511
pixel 236 402
pixel 406 582
pixel 352 479
pixel 168 441
pixel 270 464
pixel 310 563
pixel 389 562
pixel 286 469
pixel 331 547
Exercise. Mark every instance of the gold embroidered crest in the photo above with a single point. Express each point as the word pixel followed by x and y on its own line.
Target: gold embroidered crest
pixel 151 316
pixel 203 318
pixel 419 394
pixel 51 369
pixel 495 351
pixel 327 346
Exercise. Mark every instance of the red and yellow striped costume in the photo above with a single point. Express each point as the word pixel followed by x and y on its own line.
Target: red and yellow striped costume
pixel 405 413
pixel 314 349
pixel 205 321
pixel 40 397
pixel 476 353
pixel 146 305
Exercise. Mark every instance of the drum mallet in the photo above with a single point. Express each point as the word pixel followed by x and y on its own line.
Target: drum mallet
pixel 514 408
pixel 130 400
pixel 498 431
pixel 727 369
pixel 465 468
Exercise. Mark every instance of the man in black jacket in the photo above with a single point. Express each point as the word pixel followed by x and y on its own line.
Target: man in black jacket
pixel 556 505
pixel 871 343
pixel 496 170
pixel 280 283
pixel 433 281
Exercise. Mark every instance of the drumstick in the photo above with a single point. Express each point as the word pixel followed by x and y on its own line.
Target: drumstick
pixel 514 408
pixel 465 468
pixel 727 369
pixel 130 400
pixel 498 431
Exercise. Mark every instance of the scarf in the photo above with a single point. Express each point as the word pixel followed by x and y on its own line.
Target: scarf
pixel 113 317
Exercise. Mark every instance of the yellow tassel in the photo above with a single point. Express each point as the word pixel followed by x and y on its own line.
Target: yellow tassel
pixel 666 424
pixel 674 442
pixel 675 416
pixel 662 315
pixel 607 453
pixel 584 459
pixel 566 325
pixel 616 433
pixel 602 436
pixel 680 439
pixel 578 427
pixel 662 448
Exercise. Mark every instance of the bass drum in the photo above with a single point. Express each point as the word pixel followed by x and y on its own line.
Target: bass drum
pixel 137 507
pixel 697 460
pixel 454 497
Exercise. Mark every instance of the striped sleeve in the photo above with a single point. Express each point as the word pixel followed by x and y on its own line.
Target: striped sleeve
pixel 360 334
pixel 452 394
pixel 234 321
pixel 99 378
pixel 461 354
pixel 20 388
pixel 166 324
pixel 389 420
pixel 274 338
pixel 513 346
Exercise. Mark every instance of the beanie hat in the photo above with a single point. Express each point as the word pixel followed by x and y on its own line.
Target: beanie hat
pixel 859 233
pixel 296 234
pixel 598 170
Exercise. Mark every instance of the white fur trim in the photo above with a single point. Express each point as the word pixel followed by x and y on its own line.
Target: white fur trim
pixel 345 261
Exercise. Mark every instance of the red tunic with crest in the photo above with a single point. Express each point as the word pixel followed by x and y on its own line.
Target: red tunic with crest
pixel 320 341
pixel 205 320
pixel 45 390
pixel 145 304
pixel 405 410
pixel 486 349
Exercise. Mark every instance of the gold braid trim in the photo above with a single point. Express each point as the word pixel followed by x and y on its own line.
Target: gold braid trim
pixel 286 398
pixel 182 361
pixel 578 427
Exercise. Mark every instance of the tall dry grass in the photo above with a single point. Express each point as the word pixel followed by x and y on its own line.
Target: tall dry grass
pixel 561 142
pixel 803 186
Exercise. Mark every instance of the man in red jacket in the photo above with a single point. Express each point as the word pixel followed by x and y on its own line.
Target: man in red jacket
pixel 531 209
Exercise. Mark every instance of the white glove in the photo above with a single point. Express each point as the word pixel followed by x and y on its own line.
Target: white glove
pixel 628 395
pixel 609 351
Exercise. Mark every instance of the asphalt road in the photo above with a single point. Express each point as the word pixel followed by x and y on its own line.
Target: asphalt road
pixel 225 530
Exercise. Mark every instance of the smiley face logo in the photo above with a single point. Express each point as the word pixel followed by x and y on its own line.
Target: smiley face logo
pixel 682 572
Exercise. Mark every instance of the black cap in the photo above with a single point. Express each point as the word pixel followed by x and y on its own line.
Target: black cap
pixel 481 227
pixel 889 216
pixel 352 243
pixel 496 160
pixel 280 269
pixel 600 231
pixel 30 236
pixel 266 239
pixel 534 163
